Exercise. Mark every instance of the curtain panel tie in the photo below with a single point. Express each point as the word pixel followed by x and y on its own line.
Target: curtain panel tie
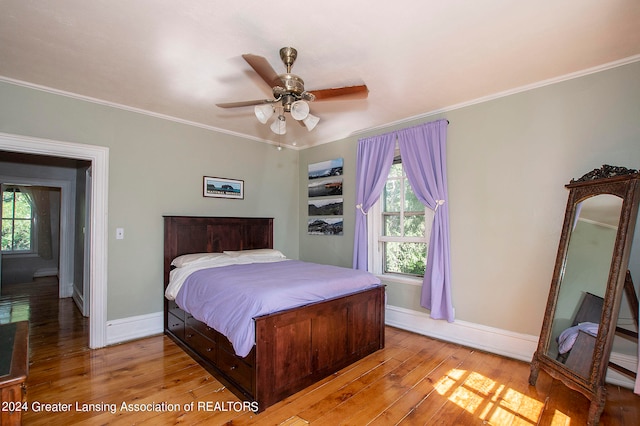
pixel 438 204
pixel 359 207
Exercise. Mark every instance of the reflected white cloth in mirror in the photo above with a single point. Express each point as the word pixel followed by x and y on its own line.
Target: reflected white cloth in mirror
pixel 568 337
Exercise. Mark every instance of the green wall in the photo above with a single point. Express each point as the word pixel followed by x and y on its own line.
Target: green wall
pixel 508 160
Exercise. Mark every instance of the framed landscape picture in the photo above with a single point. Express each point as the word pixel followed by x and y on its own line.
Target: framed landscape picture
pixel 326 169
pixel 327 206
pixel 324 226
pixel 223 188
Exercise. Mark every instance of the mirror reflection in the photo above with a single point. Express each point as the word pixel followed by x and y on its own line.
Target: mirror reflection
pixel 584 282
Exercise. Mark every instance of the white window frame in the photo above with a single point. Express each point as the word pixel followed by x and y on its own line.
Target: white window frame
pixel 33 235
pixel 376 238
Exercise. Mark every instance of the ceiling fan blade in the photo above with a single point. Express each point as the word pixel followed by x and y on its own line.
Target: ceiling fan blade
pixel 263 68
pixel 341 93
pixel 245 103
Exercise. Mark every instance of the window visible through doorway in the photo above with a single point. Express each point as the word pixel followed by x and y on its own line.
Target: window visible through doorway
pixel 17 221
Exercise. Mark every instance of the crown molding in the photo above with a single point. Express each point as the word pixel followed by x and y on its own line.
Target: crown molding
pixel 426 115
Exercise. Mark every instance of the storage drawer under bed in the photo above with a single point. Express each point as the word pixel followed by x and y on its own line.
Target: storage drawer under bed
pixel 215 347
pixel 205 347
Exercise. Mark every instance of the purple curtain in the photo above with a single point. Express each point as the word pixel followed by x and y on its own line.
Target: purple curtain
pixel 423 153
pixel 39 199
pixel 373 163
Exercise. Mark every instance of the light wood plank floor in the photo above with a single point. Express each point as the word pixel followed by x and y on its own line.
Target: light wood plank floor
pixel 414 380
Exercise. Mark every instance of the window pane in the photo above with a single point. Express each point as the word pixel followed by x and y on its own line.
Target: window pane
pixel 16 221
pixel 22 235
pixel 405 258
pixel 6 235
pixel 392 196
pixel 414 226
pixel 396 170
pixel 7 205
pixel 23 207
pixel 411 202
pixel 392 226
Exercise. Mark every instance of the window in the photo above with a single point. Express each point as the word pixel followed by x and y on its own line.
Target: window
pixel 400 226
pixel 17 221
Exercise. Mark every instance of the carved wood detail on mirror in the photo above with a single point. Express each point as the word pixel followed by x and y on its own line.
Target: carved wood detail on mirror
pixel 589 280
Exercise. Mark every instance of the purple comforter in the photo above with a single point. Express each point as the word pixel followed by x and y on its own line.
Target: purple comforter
pixel 229 297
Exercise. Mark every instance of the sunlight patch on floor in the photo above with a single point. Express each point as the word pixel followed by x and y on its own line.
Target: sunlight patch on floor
pixel 559 418
pixel 294 421
pixel 493 402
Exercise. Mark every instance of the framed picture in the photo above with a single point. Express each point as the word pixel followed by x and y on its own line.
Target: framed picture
pixel 324 226
pixel 223 188
pixel 326 206
pixel 325 187
pixel 326 169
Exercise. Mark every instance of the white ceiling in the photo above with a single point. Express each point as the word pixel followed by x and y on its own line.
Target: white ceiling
pixel 417 57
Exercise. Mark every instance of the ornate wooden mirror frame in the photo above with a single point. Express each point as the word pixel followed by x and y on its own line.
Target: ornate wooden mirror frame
pixel 583 366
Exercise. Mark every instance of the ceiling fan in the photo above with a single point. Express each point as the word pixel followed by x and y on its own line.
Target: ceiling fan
pixel 289 94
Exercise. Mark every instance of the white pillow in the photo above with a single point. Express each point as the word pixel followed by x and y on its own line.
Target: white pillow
pixel 187 259
pixel 256 253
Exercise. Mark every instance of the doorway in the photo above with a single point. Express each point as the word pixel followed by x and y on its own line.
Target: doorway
pixel 98 157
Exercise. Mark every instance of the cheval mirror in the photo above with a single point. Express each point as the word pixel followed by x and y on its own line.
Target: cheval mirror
pixel 589 280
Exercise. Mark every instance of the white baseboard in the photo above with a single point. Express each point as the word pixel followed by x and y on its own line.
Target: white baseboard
pixel 619 379
pixel 45 272
pixel 502 342
pixel 122 330
pixel 78 299
pixel 495 340
pixel 65 290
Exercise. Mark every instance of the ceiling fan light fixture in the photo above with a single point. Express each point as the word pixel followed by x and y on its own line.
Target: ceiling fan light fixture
pixel 263 112
pixel 311 121
pixel 299 110
pixel 279 125
pixel 289 94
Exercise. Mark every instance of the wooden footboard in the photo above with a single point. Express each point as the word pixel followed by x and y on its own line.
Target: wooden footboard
pixel 296 348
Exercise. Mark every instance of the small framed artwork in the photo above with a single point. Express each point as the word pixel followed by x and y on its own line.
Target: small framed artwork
pixel 223 188
pixel 326 169
pixel 324 226
pixel 325 207
pixel 325 187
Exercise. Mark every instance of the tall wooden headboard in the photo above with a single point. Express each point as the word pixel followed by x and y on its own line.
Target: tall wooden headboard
pixel 197 234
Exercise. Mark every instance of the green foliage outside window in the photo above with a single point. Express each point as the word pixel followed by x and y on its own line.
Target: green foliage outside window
pixel 405 258
pixel 17 221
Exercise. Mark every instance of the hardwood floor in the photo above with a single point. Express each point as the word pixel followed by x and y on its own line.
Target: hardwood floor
pixel 414 380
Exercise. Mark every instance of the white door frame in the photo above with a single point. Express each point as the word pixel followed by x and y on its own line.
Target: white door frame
pixel 86 238
pixel 99 157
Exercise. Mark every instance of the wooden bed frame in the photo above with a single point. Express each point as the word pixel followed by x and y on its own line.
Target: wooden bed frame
pixel 294 348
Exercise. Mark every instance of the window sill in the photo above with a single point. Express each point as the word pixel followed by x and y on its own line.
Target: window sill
pixel 400 279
